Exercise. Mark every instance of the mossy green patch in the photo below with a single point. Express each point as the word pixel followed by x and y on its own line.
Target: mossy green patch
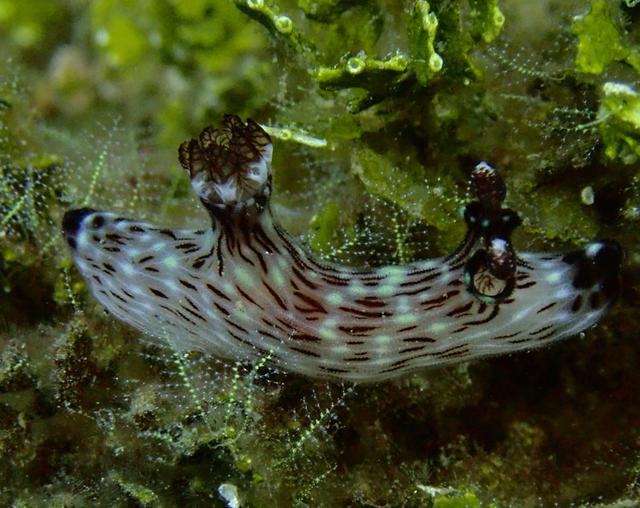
pixel 423 29
pixel 601 39
pixel 619 122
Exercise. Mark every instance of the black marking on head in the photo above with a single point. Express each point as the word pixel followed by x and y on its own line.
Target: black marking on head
pixel 71 223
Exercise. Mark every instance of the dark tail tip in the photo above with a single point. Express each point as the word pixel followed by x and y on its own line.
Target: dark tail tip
pixel 598 266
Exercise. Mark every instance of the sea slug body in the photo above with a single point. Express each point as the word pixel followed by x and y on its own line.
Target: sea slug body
pixel 244 288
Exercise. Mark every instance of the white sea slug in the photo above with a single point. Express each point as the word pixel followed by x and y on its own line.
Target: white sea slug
pixel 243 288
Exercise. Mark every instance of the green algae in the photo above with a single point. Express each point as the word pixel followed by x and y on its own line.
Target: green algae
pixel 601 39
pixel 619 122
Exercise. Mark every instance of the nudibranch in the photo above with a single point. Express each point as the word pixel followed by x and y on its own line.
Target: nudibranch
pixel 244 288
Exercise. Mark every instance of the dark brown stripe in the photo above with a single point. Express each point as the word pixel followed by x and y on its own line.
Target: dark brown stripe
pixel 116 295
pixel 275 296
pixel 411 349
pixel 421 280
pixel 499 337
pixel 304 351
pixel 304 337
pixel 221 308
pixel 315 304
pixel 460 310
pixel 248 298
pixel 418 339
pixel 371 301
pixel 302 278
pixel 356 331
pixel 546 307
pixel 194 313
pixel 494 313
pixel 540 330
pixel 236 326
pixel 159 293
pixel 365 314
pixel 217 292
pixel 188 285
pixel 332 369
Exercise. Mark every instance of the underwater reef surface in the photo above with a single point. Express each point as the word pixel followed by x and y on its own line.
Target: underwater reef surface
pixel 378 111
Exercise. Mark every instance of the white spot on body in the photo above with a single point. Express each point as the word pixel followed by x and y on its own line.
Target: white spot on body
pixel 382 340
pixel 437 327
pixel 335 298
pixel 356 289
pixel 327 333
pixel 386 289
pixel 403 304
pixel 330 322
pixel 243 276
pixel 553 277
pixel 127 269
pixel 340 349
pixel 277 277
pixel 170 262
pixel 405 319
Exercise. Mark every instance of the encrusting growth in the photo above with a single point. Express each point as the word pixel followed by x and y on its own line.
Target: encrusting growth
pixel 244 288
